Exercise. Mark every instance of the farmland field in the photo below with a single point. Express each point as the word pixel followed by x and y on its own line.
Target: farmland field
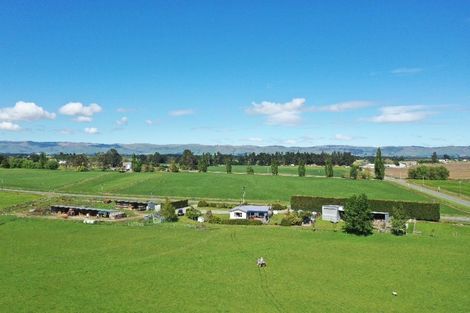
pixel 455 187
pixel 201 185
pixel 63 266
pixel 457 170
pixel 13 198
pixel 290 170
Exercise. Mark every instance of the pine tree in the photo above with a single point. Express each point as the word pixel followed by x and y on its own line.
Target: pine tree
pixel 434 157
pixel 379 167
pixel 354 171
pixel 168 212
pixel 202 165
pixel 228 165
pixel 274 167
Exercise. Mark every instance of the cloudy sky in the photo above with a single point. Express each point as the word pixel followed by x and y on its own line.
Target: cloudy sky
pixel 300 73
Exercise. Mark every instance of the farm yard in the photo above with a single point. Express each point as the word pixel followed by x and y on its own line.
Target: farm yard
pixel 182 268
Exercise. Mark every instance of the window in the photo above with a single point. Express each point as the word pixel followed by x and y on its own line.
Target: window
pixel 238 214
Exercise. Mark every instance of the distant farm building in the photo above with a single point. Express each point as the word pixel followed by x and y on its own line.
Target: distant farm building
pixel 133 205
pixel 259 212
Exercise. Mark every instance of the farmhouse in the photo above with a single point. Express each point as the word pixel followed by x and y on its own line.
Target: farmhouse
pixel 259 212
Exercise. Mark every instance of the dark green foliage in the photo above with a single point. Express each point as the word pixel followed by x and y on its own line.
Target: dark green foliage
pixel 357 216
pixel 278 207
pixel 52 165
pixel 301 168
pixel 202 204
pixel 329 168
pixel 228 165
pixel 193 213
pixel 429 172
pixel 354 172
pixel 427 211
pixel 434 157
pixel 168 212
pixel 250 170
pixel 275 167
pixel 5 163
pixel 136 164
pixel 379 167
pixel 238 222
pixel 42 160
pixel 398 221
pixel 178 204
pixel 188 160
pixel 202 165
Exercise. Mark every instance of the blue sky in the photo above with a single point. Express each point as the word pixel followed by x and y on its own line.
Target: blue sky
pixel 295 73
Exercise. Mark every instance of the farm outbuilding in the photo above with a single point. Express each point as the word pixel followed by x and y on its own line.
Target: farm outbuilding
pixel 133 205
pixel 75 210
pixel 331 213
pixel 260 212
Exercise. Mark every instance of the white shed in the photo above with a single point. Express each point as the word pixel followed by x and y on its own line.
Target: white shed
pixel 243 212
pixel 331 213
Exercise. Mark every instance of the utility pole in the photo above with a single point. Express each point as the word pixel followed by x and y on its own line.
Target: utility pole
pixel 243 195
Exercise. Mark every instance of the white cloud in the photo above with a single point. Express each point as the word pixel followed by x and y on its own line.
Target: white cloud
pixel 122 121
pixel 279 113
pixel 78 108
pixel 341 137
pixel 149 122
pixel 406 71
pixel 65 131
pixel 401 114
pixel 83 119
pixel 182 112
pixel 91 130
pixel 345 106
pixel 25 111
pixel 124 110
pixel 9 126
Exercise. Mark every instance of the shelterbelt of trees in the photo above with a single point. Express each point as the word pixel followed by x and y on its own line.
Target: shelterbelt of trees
pixel 186 161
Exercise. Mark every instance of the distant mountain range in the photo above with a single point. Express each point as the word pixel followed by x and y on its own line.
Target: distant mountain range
pixel 16 147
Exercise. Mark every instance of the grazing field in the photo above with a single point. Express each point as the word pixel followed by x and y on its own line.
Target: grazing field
pixel 338 171
pixel 8 199
pixel 455 187
pixel 201 185
pixel 62 266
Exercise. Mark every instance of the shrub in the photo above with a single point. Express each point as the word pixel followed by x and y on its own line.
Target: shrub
pixel 168 212
pixel 193 213
pixel 357 216
pixel 429 172
pixel 214 219
pixel 398 221
pixel 278 207
pixel 291 219
pixel 52 165
pixel 202 204
pixel 427 211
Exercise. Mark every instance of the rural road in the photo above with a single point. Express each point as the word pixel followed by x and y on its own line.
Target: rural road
pixel 428 191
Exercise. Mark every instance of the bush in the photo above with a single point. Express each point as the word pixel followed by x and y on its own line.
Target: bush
pixel 214 219
pixel 193 213
pixel 52 165
pixel 278 207
pixel 357 216
pixel 168 212
pixel 427 211
pixel 429 172
pixel 202 204
pixel 291 219
pixel 398 222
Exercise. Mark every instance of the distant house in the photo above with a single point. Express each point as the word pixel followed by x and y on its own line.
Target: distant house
pixel 127 166
pixel 260 212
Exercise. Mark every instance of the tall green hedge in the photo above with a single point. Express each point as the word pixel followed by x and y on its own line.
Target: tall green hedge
pixel 427 211
pixel 177 204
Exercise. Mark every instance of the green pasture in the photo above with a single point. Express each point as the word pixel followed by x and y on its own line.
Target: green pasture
pixel 63 266
pixel 8 199
pixel 287 170
pixel 455 187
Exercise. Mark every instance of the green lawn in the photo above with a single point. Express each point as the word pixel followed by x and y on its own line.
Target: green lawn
pixel 455 187
pixel 62 266
pixel 8 199
pixel 291 170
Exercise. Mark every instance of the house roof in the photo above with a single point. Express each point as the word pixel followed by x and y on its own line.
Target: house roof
pixel 251 208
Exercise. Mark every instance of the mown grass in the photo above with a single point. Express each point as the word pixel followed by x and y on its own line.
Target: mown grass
pixel 455 187
pixel 62 266
pixel 202 185
pixel 8 199
pixel 338 171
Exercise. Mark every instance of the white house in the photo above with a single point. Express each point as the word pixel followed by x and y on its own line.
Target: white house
pixel 243 212
pixel 331 213
pixel 127 166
